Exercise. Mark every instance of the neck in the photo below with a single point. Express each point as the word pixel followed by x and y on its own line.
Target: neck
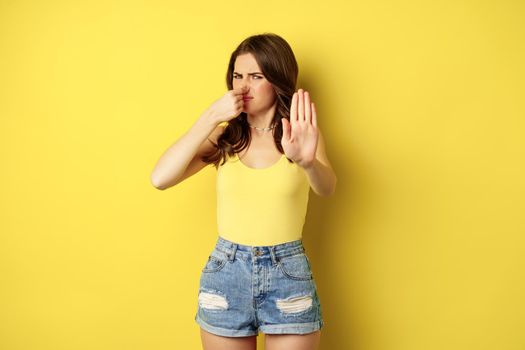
pixel 262 120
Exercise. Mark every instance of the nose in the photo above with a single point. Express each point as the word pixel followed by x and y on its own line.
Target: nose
pixel 246 89
pixel 245 83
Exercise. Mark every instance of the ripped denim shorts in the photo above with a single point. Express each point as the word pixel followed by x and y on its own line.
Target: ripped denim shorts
pixel 244 289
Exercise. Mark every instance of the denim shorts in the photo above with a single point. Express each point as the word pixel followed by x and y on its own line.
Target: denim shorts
pixel 244 289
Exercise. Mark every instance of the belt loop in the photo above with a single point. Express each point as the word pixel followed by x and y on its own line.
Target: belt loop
pixel 272 254
pixel 232 254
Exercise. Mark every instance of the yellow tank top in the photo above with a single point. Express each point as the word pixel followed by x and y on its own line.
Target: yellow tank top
pixel 261 207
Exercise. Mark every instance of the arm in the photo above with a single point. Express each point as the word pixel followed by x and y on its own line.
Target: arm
pixel 182 159
pixel 320 173
pixel 171 168
pixel 303 142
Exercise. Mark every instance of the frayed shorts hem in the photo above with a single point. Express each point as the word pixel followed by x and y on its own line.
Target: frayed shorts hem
pixel 224 331
pixel 291 328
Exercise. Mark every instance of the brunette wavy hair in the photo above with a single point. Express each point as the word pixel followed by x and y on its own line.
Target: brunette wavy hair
pixel 278 64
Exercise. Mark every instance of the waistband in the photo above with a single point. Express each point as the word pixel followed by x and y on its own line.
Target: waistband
pixel 273 251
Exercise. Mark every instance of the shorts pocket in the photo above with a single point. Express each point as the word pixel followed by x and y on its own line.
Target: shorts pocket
pixel 296 267
pixel 216 261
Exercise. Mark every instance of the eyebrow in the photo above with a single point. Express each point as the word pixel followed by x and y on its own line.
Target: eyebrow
pixel 248 73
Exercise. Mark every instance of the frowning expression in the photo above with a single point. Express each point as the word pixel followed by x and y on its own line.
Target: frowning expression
pixel 261 94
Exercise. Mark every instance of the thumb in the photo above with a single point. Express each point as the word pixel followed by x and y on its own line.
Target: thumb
pixel 286 128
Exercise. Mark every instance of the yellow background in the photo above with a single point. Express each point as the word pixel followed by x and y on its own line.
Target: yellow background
pixel 421 104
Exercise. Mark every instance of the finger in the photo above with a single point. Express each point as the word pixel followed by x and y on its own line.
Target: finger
pixel 307 107
pixel 239 96
pixel 300 108
pixel 239 91
pixel 293 109
pixel 314 115
pixel 286 129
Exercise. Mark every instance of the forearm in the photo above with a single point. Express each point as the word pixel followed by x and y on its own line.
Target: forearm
pixel 174 161
pixel 322 179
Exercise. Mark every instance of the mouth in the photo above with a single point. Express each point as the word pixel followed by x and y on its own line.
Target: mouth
pixel 245 98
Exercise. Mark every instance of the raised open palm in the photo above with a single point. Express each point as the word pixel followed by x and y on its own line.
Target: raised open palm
pixel 300 134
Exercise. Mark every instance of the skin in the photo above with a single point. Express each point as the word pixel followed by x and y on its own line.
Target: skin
pixel 308 341
pixel 261 108
pixel 300 141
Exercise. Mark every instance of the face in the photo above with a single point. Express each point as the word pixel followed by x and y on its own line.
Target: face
pixel 247 72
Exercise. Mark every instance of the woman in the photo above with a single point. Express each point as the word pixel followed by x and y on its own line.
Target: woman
pixel 262 137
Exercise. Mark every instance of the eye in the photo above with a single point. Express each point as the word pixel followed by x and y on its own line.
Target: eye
pixel 255 76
